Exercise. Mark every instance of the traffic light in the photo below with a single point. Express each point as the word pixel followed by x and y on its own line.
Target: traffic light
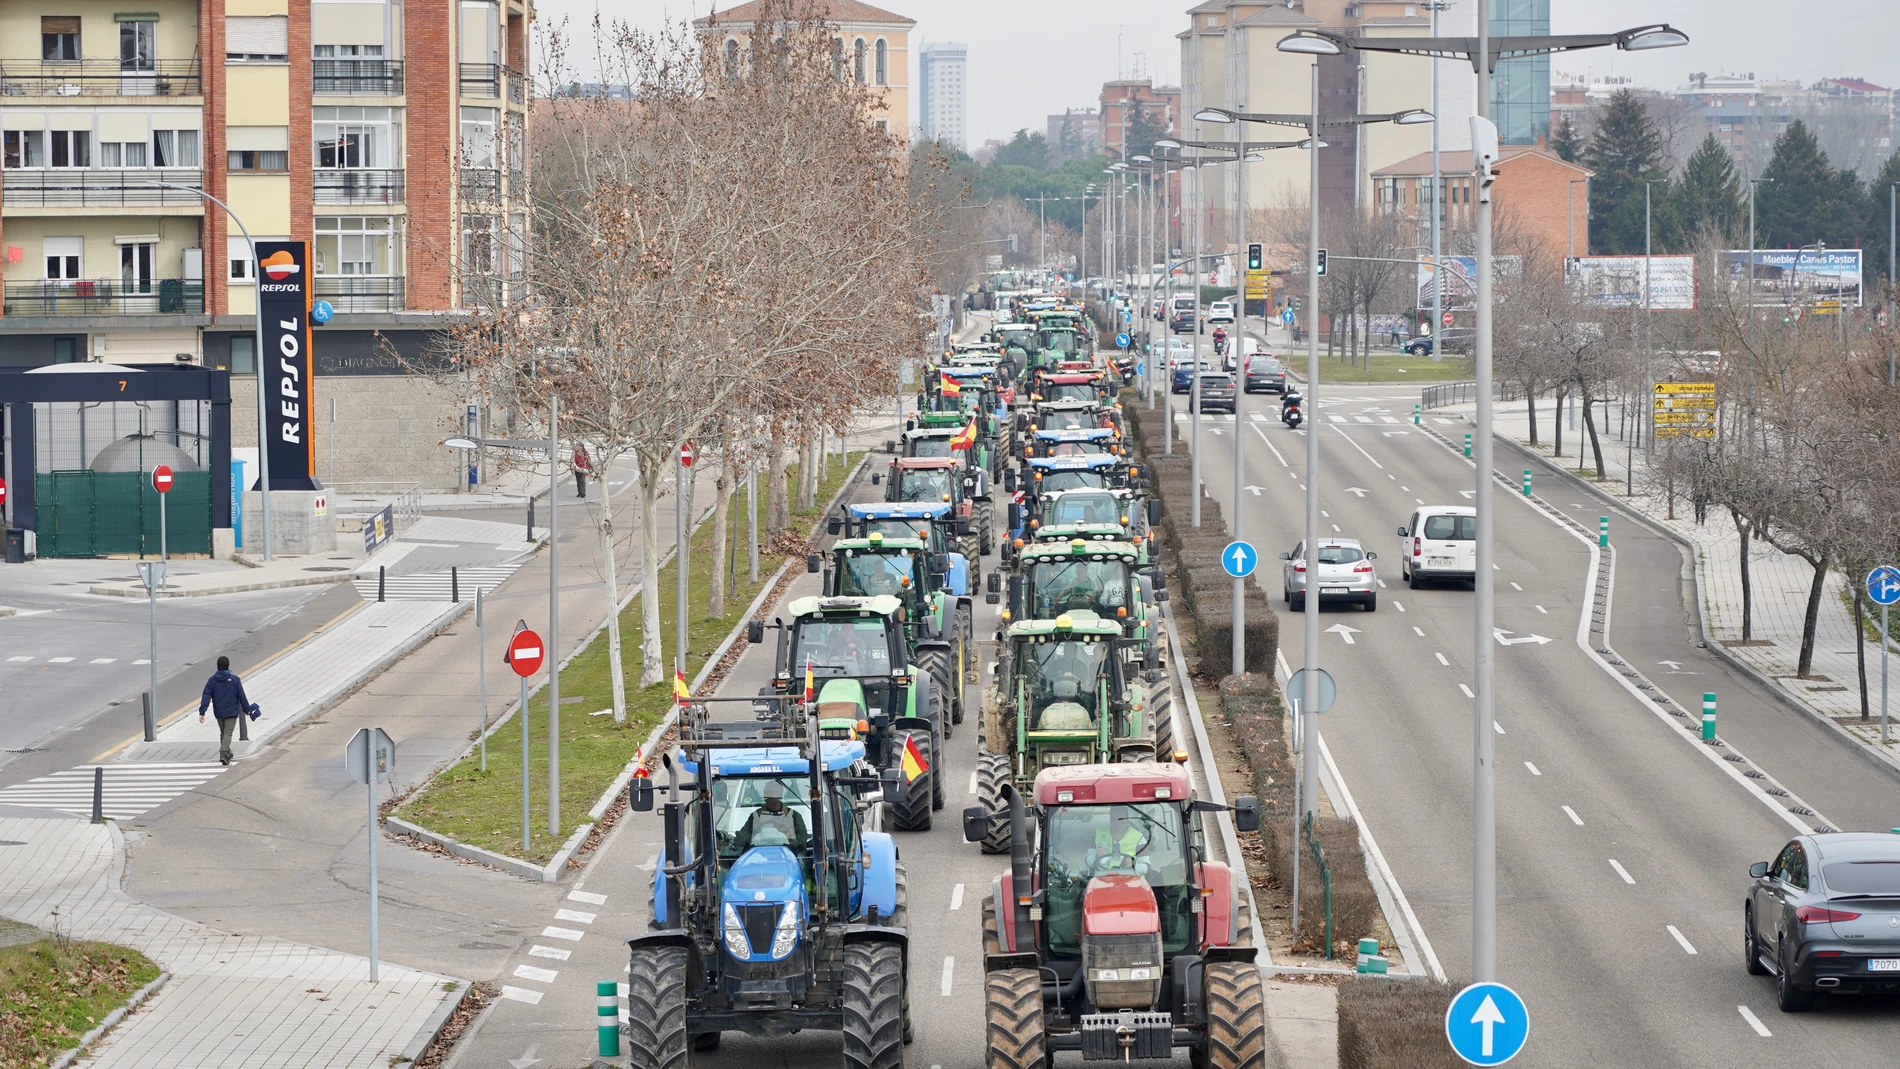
pixel 1253 256
pixel 1320 263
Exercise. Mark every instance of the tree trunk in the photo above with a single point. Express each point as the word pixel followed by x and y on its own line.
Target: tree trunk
pixel 614 668
pixel 779 513
pixel 1746 532
pixel 1805 666
pixel 1596 444
pixel 722 511
pixel 1530 403
pixel 1557 430
pixel 652 656
pixel 1860 648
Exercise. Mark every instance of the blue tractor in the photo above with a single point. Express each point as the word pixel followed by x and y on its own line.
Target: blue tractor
pixel 777 904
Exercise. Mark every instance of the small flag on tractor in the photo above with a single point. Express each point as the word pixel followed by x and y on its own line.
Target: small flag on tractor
pixel 681 693
pixel 810 695
pixel 964 438
pixel 914 763
pixel 947 384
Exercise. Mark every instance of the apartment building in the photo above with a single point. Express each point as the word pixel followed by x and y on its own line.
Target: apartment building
pixel 873 45
pixel 1077 127
pixel 1125 98
pixel 1543 202
pixel 943 94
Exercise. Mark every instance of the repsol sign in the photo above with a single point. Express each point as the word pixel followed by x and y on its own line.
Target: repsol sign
pixel 284 367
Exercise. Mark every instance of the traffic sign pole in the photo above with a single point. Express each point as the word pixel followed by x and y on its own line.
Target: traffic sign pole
pixel 1883 587
pixel 525 655
pixel 162 482
pixel 481 678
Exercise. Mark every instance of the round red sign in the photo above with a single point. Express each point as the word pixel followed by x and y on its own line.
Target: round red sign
pixel 3 491
pixel 687 452
pixel 162 479
pixel 525 653
pixel 1448 319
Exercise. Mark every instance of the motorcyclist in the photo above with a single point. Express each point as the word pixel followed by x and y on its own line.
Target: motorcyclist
pixel 1290 401
pixel 1220 340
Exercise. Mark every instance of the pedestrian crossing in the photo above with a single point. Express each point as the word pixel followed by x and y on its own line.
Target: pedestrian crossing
pixel 128 789
pixel 436 586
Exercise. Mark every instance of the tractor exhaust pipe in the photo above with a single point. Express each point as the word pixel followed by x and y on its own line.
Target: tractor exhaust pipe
pixel 1019 868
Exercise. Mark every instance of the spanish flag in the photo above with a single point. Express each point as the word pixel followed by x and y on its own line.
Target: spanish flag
pixel 964 438
pixel 914 763
pixel 810 693
pixel 947 383
pixel 681 693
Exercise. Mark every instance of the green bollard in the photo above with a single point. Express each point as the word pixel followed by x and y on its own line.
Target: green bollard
pixel 608 1009
pixel 1708 716
pixel 1527 482
pixel 1467 445
pixel 1603 532
pixel 1415 411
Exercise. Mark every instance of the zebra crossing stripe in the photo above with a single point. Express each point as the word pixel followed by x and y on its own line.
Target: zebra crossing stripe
pixel 128 789
pixel 435 586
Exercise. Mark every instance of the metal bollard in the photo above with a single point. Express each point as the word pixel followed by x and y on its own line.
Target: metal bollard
pixel 1708 716
pixel 1415 411
pixel 455 583
pixel 98 794
pixel 382 578
pixel 1527 482
pixel 530 537
pixel 607 1007
pixel 146 706
pixel 1370 960
pixel 1467 445
pixel 1603 532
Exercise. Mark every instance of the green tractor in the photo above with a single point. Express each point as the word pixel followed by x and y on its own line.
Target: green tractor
pixel 853 652
pixel 945 479
pixel 1063 696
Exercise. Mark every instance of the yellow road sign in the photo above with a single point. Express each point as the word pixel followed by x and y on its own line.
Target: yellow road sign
pixel 1665 416
pixel 1684 432
pixel 1685 387
pixel 1259 285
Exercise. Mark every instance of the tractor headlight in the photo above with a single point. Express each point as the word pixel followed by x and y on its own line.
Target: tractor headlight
pixel 736 943
pixel 787 936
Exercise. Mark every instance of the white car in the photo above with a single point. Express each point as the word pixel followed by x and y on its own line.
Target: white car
pixel 1440 542
pixel 1220 312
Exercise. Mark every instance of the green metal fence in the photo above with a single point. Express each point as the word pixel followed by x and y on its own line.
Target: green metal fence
pixel 106 513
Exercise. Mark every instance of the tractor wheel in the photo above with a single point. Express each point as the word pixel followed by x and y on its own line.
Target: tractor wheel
pixel 912 812
pixel 1012 1016
pixel 656 1008
pixel 936 773
pixel 1236 1016
pixel 874 1006
pixel 944 678
pixel 992 930
pixel 986 527
pixel 967 663
pixel 1164 731
pixel 969 545
pixel 992 772
pixel 900 918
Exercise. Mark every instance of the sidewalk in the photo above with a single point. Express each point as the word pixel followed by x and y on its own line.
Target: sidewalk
pixel 231 1000
pixel 1778 582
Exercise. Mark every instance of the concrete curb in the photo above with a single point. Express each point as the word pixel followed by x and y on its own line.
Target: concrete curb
pixel 1838 734
pixel 516 866
pixel 137 590
pixel 434 1025
pixel 72 1054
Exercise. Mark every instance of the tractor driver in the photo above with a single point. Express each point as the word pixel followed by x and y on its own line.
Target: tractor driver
pixel 1119 845
pixel 774 825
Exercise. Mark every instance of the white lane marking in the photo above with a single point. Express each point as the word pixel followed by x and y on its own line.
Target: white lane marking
pixel 522 994
pixel 1362 450
pixel 1363 419
pixel 949 970
pixel 568 934
pixel 1574 818
pixel 573 915
pixel 1388 419
pixel 1391 476
pixel 60 660
pixel 556 953
pixel 1517 588
pixel 1541 609
pixel 1335 419
pixel 1621 871
pixel 102 660
pixel 141 660
pixel 538 975
pixel 1270 445
pixel 1446 422
pixel 1754 1022
pixel 1325 515
pixel 15 660
pixel 1467 691
pixel 1420 500
pixel 1680 938
pixel 1381 584
pixel 1497 727
pixel 1405 488
pixel 1399 606
pixel 1533 769
pixel 588 897
pixel 956 897
pixel 1419 631
pixel 1435 653
pixel 1336 529
pixel 972 782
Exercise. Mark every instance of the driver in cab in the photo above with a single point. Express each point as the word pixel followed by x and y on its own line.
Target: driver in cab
pixel 772 824
pixel 1119 845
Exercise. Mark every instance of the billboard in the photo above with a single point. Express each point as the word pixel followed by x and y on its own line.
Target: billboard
pixel 1617 281
pixel 284 367
pixel 1461 273
pixel 1808 277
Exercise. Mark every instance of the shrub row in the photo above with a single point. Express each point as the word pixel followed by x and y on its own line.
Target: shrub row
pixel 1394 1024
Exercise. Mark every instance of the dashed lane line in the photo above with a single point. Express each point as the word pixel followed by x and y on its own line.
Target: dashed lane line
pixel 1687 948
pixel 1621 871
pixel 539 951
pixel 537 974
pixel 568 934
pixel 588 897
pixel 1533 769
pixel 956 897
pixel 949 970
pixel 1754 1022
pixel 1574 818
pixel 1435 653
pixel 573 915
pixel 522 994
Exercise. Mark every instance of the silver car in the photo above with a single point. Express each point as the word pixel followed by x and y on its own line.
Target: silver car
pixel 1824 915
pixel 1345 574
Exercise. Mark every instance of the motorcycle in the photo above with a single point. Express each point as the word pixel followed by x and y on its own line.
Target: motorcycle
pixel 1290 409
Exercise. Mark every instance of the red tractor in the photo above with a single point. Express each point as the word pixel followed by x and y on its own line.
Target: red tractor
pixel 1112 934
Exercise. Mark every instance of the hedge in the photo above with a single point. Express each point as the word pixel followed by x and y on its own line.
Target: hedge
pixel 1394 1024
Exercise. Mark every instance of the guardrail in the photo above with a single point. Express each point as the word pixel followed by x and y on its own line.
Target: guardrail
pixel 89 188
pixel 104 296
pixel 1457 393
pixel 98 77
pixel 357 185
pixel 402 500
pixel 365 76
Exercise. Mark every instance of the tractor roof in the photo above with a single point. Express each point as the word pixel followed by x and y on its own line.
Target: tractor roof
pixel 899 510
pixel 1129 782
pixel 927 463
pixel 965 371
pixel 1085 548
pixel 1077 623
pixel 879 605
pixel 1071 405
pixel 776 761
pixel 878 541
pixel 1071 378
pixel 1087 462
pixel 934 432
pixel 1077 434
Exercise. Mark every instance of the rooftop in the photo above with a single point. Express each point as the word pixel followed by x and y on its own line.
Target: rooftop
pixel 1458 161
pixel 832 10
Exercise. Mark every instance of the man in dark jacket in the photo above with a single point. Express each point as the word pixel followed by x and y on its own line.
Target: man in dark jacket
pixel 224 695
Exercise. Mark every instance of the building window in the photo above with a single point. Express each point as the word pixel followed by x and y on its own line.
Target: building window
pixel 256 39
pixel 248 159
pixel 478 244
pixel 357 52
pixel 356 245
pixel 478 138
pixel 67 349
pixel 883 125
pixel 517 245
pixel 883 62
pixel 138 35
pixel 355 137
pixel 122 153
pixel 59 38
pixel 243 354
pixel 732 58
pixel 71 148
pixel 837 57
pixel 22 148
pixel 65 257
pixel 238 255
pixel 857 61
pixel 175 148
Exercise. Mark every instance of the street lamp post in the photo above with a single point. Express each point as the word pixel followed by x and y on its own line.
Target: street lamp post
pixel 1649 329
pixel 1483 52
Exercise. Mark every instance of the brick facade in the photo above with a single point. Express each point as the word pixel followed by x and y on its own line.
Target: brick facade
pixel 431 76
pixel 302 133
pixel 217 226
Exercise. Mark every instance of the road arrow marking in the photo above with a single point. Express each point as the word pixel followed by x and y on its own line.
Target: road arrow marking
pixel 1361 491
pixel 1673 665
pixel 1502 641
pixel 1344 632
pixel 1255 489
pixel 1489 1017
pixel 527 1058
pixel 1389 434
pixel 1466 493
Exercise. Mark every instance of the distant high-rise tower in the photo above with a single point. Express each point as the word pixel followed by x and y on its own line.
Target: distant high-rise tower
pixel 1520 91
pixel 941 105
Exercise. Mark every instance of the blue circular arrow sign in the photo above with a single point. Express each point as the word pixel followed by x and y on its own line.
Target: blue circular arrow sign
pixel 1487 1024
pixel 1239 558
pixel 1883 585
pixel 1122 341
pixel 1286 316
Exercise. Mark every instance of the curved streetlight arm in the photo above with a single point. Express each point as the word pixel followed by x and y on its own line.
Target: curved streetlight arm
pixel 1636 39
pixel 257 357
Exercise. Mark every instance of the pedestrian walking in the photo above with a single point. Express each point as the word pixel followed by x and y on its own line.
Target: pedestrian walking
pixel 582 465
pixel 224 696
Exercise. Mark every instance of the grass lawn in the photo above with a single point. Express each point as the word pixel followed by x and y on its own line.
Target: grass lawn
pixel 1385 367
pixel 54 991
pixel 484 808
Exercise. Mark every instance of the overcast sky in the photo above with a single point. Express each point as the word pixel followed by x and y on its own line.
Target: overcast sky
pixel 1033 58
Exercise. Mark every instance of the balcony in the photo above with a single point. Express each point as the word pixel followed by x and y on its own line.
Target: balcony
pixel 358 186
pixel 88 188
pixel 98 78
pixel 361 293
pixel 104 297
pixel 370 77
pixel 488 80
pixel 481 184
pixel 517 86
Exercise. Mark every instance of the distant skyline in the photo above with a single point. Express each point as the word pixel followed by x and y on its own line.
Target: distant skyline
pixel 1031 60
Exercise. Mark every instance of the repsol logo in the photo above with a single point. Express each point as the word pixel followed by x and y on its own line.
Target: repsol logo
pixel 286 287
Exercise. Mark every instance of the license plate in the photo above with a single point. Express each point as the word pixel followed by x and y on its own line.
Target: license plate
pixel 1332 590
pixel 1441 562
pixel 1884 965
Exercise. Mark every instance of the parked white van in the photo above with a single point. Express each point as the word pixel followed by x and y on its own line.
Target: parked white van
pixel 1440 542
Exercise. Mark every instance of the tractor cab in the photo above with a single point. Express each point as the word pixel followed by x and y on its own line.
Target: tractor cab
pixel 928 441
pixel 1073 442
pixel 932 523
pixel 1064 416
pixel 1071 386
pixel 932 480
pixel 1065 697
pixel 1079 574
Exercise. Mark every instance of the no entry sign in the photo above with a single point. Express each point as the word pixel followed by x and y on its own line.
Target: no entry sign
pixel 1448 319
pixel 687 452
pixel 525 653
pixel 162 479
pixel 3 491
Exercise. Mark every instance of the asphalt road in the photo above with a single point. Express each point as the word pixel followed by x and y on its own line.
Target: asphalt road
pixel 1621 845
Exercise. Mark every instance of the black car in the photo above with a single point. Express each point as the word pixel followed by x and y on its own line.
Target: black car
pixel 1217 392
pixel 1824 916
pixel 1265 373
pixel 1456 339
